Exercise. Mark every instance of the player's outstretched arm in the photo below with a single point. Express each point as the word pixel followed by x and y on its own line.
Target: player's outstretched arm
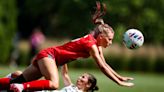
pixel 103 67
pixel 122 78
pixel 65 76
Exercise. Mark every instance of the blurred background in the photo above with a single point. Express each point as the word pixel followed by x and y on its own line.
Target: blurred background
pixel 26 26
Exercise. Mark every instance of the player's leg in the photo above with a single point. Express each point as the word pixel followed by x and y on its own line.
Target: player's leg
pixel 48 69
pixel 4 83
pixel 30 73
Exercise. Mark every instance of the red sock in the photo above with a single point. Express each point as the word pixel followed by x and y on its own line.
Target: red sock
pixel 37 85
pixel 4 83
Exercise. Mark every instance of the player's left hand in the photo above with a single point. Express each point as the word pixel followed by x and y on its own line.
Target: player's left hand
pixel 126 78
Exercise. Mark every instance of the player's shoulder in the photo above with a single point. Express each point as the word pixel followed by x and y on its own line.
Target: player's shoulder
pixel 83 38
pixel 89 37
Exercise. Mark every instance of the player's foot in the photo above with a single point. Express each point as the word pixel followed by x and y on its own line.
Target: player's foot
pixel 16 87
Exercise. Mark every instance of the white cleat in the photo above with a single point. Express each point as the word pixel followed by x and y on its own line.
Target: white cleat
pixel 16 87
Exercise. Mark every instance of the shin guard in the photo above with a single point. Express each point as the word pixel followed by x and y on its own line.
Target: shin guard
pixel 4 83
pixel 37 85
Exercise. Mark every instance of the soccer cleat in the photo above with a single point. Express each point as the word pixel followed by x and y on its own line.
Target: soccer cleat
pixel 16 87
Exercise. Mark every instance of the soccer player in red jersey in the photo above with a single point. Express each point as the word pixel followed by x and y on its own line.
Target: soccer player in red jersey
pixel 46 62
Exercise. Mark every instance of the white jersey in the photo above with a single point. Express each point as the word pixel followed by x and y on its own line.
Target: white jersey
pixel 70 88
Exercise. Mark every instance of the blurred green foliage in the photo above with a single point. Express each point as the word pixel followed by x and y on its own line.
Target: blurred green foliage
pixel 142 64
pixel 72 18
pixel 8 23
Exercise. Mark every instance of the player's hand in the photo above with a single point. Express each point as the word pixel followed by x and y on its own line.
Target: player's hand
pixel 126 84
pixel 126 78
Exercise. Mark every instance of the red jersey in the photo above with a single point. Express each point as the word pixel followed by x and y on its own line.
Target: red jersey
pixel 78 48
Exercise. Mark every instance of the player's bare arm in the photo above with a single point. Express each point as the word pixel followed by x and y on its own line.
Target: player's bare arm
pixel 102 65
pixel 122 78
pixel 65 76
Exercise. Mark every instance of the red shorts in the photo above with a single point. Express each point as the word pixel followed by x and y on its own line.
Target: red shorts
pixel 49 52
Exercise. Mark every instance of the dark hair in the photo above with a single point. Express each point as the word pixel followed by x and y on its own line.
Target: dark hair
pixel 93 82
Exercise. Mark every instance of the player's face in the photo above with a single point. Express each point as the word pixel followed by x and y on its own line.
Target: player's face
pixel 82 81
pixel 106 40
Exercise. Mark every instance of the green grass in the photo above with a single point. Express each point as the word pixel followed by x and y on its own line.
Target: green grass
pixel 144 82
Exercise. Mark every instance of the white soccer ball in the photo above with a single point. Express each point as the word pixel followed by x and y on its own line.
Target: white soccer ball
pixel 133 39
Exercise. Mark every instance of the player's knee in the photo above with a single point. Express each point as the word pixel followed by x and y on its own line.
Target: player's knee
pixel 16 74
pixel 54 85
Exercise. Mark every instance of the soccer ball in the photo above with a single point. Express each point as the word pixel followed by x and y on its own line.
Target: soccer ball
pixel 133 39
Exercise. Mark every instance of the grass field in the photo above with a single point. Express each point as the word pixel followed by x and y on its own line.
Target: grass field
pixel 144 82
